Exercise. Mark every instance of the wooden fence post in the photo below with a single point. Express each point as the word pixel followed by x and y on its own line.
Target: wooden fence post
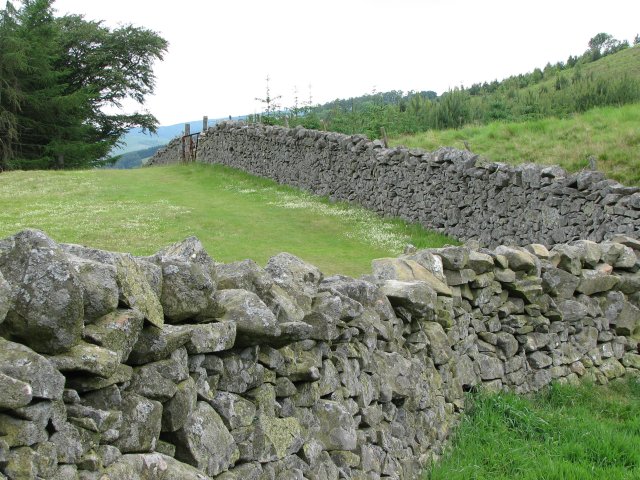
pixel 385 139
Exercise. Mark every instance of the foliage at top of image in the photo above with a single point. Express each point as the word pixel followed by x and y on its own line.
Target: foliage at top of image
pixel 57 74
pixel 607 73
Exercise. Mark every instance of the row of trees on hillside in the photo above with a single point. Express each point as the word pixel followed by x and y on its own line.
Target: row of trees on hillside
pixel 57 76
pixel 555 90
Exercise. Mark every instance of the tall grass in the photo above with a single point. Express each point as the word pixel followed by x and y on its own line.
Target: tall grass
pixel 611 135
pixel 565 432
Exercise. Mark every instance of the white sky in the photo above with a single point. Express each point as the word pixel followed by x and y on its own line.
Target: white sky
pixel 221 51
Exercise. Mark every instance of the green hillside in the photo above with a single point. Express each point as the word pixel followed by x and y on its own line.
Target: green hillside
pixel 610 134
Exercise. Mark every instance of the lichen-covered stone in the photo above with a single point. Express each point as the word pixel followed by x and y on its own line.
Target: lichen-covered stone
pixel 337 428
pixel 439 347
pixel 406 270
pixel 205 442
pixel 176 410
pixel 48 308
pixel 72 443
pixel 6 298
pixel 211 337
pixel 117 331
pixel 141 422
pixel 135 290
pixel 17 432
pixel 187 288
pixel 593 281
pixel 235 411
pixel 253 319
pixel 151 466
pixel 99 286
pixel 158 343
pixel 415 298
pixel 296 277
pixel 22 363
pixel 87 358
pixel 15 393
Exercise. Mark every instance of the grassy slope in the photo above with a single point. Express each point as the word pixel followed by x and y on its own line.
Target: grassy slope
pixel 611 134
pixel 236 216
pixel 563 433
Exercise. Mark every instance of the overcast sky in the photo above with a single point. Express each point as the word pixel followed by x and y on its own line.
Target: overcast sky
pixel 221 51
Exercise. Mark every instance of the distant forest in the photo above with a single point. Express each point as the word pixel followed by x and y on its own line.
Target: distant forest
pixel 607 73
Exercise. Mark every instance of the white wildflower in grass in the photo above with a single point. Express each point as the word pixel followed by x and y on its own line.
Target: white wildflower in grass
pixel 366 225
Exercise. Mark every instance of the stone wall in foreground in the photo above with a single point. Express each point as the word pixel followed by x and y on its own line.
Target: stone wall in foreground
pixel 177 367
pixel 447 190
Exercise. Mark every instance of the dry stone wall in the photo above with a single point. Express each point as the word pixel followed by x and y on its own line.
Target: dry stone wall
pixel 447 190
pixel 175 366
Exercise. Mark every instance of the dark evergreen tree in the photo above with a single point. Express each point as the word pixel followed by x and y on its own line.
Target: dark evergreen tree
pixel 58 75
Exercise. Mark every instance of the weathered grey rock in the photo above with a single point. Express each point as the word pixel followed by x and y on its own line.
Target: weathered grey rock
pixel 296 277
pixel 593 281
pixel 151 466
pixel 439 348
pixel 176 410
pixel 135 290
pixel 406 270
pixel 234 410
pixel 6 298
pixel 433 263
pixel 559 283
pixel 211 337
pixel 158 343
pixel 572 310
pixel 627 321
pixel 87 358
pixel 618 255
pixel 326 314
pixel 72 443
pixel 539 360
pixel 48 307
pixel 245 471
pixel 187 289
pixel 337 427
pixel 269 439
pixel 568 258
pixel 99 286
pixel 244 275
pixel 204 442
pixel 141 422
pixel 15 393
pixel 416 298
pixel 453 258
pixel 507 343
pixel 519 259
pixel 491 368
pixel 132 278
pixel 23 364
pixel 150 383
pixel 17 432
pixel 27 463
pixel 102 420
pixel 117 331
pixel 480 262
pixel 253 319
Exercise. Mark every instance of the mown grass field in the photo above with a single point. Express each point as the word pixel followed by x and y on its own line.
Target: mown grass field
pixel 235 215
pixel 562 433
pixel 611 135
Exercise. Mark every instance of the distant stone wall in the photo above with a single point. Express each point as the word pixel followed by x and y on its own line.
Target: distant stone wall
pixel 177 367
pixel 447 190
